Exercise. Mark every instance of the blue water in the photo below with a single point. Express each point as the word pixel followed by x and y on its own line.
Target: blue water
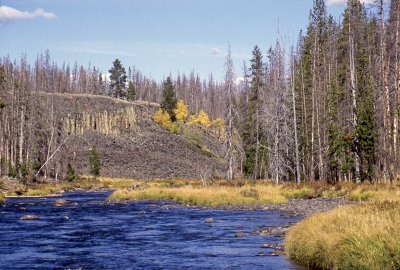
pixel 140 235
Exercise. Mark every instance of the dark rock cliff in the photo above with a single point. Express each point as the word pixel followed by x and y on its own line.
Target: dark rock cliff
pixel 130 144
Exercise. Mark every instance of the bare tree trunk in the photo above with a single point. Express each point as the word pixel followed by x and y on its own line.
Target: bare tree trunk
pixel 305 153
pixel 396 119
pixel 229 76
pixel 298 179
pixel 353 93
pixel 313 91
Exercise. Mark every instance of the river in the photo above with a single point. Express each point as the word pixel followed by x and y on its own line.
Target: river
pixel 93 234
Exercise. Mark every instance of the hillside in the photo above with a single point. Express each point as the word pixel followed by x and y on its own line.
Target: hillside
pixel 129 142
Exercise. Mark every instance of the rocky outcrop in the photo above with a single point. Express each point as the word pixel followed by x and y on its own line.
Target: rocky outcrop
pixel 129 142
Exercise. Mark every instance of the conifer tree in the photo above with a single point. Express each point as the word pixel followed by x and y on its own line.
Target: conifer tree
pixel 365 130
pixel 169 101
pixel 251 128
pixel 118 79
pixel 131 93
pixel 94 162
pixel 71 173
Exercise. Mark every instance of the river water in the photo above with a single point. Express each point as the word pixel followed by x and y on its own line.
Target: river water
pixel 139 235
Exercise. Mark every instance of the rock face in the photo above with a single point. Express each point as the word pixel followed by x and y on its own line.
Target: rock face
pixel 130 144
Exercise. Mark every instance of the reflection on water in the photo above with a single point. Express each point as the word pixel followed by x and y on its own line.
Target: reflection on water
pixel 95 235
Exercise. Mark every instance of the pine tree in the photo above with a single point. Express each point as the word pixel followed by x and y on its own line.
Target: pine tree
pixel 131 93
pixel 94 162
pixel 169 101
pixel 71 173
pixel 118 80
pixel 251 128
pixel 365 129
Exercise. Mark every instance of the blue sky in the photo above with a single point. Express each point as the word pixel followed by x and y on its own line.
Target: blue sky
pixel 156 36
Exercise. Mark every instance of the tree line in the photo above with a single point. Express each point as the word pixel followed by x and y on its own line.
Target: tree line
pixel 325 109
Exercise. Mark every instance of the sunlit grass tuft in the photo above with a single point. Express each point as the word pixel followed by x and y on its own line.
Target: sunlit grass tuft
pixel 2 198
pixel 207 196
pixel 351 237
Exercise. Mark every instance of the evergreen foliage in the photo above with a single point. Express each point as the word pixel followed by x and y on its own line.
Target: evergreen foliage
pixel 118 80
pixel 169 101
pixel 94 162
pixel 71 173
pixel 252 134
pixel 131 93
pixel 365 130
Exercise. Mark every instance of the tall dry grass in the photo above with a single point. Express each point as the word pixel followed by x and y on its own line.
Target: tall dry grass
pixel 2 198
pixel 216 195
pixel 363 236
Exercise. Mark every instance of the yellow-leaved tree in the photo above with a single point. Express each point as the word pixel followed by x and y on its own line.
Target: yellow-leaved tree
pixel 181 111
pixel 218 127
pixel 200 119
pixel 163 119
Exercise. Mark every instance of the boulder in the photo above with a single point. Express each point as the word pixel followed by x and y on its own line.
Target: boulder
pixel 209 220
pixel 62 202
pixel 29 217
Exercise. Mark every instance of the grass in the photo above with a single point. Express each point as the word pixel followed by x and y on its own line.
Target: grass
pixel 365 236
pixel 250 193
pixel 206 196
pixel 219 194
pixel 2 198
pixel 86 183
pixel 236 193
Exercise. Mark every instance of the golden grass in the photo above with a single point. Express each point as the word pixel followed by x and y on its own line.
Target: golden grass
pixel 2 198
pixel 54 188
pixel 363 236
pixel 236 193
pixel 216 195
pixel 375 194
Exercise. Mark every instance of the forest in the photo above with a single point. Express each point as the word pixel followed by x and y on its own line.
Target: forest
pixel 326 108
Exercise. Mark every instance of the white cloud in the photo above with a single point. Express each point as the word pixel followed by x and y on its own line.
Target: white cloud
pixel 338 2
pixel 8 14
pixel 215 51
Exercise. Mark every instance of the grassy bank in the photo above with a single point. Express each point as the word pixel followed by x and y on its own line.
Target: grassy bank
pixel 85 183
pixel 2 198
pixel 192 192
pixel 219 194
pixel 363 236
pixel 249 193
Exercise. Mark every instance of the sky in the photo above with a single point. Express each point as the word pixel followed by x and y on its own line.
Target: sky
pixel 159 37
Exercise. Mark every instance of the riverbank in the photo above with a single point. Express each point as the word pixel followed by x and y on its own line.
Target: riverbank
pixel 315 196
pixel 13 188
pixel 362 236
pixel 304 199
